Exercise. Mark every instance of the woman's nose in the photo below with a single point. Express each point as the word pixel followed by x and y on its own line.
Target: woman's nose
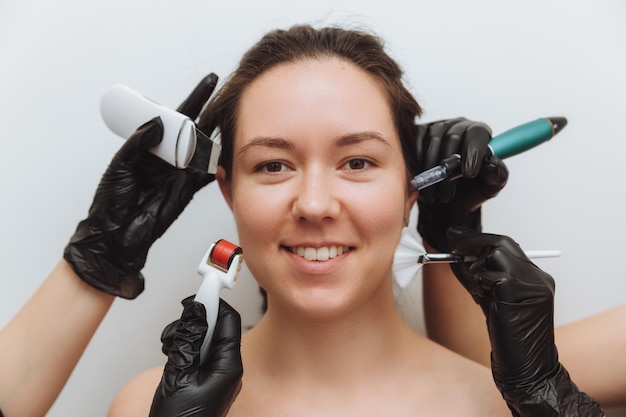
pixel 316 199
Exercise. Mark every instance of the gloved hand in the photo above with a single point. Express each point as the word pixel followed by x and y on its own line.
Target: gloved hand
pixel 458 202
pixel 190 388
pixel 517 299
pixel 138 198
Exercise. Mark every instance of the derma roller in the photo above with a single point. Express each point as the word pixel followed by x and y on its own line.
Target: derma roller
pixel 219 269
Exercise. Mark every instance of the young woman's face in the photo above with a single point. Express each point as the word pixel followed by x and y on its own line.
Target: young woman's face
pixel 319 186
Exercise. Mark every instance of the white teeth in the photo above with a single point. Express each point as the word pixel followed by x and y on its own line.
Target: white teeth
pixel 321 254
pixel 310 254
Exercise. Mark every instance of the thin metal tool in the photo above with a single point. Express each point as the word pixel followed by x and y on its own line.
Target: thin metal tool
pixel 447 258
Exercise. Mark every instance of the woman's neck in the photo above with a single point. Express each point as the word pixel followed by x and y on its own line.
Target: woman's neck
pixel 330 349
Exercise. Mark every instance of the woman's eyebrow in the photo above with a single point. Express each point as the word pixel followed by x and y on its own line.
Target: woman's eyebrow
pixel 358 137
pixel 344 140
pixel 270 142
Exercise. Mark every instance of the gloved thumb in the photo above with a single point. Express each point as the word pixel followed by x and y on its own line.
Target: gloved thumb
pixel 147 136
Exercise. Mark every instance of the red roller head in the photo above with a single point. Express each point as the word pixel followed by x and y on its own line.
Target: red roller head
pixel 223 253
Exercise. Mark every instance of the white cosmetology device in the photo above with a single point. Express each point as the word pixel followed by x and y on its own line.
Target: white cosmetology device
pixel 219 269
pixel 124 110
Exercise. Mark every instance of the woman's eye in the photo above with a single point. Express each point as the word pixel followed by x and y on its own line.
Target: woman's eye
pixel 357 164
pixel 272 167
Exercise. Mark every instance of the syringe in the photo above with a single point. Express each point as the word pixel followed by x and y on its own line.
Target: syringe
pixel 509 143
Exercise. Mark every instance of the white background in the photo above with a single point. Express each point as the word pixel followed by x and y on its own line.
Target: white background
pixel 504 63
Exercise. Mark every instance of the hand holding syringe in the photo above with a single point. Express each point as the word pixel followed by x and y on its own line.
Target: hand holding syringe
pixel 509 143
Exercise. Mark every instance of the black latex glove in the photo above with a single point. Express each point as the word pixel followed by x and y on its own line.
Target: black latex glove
pixel 192 389
pixel 138 198
pixel 457 202
pixel 517 299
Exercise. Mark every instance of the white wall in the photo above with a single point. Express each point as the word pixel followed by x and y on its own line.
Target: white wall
pixel 503 63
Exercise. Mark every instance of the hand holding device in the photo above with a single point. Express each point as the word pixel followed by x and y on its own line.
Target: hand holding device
pixel 456 203
pixel 138 198
pixel 124 110
pixel 193 387
pixel 517 299
pixel 509 143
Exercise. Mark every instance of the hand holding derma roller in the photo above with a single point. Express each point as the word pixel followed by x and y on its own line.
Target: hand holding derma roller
pixel 203 372
pixel 191 386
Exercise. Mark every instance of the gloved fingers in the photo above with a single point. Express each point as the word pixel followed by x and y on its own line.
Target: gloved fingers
pixel 118 187
pixel 469 275
pixel 467 279
pixel 465 241
pixel 460 136
pixel 434 143
pixel 147 136
pixel 429 150
pixel 225 352
pixel 530 284
pixel 167 337
pixel 494 252
pixel 198 179
pixel 453 142
pixel 229 327
pixel 452 137
pixel 190 332
pixel 468 139
pixel 491 282
pixel 441 139
pixel 184 354
pixel 502 270
pixel 168 333
pixel 485 281
pixel 506 255
pixel 494 174
pixel 192 106
pixel 476 137
pixel 476 277
pixel 431 143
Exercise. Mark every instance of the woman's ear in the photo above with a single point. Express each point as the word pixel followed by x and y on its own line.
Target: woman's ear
pixel 225 186
pixel 410 202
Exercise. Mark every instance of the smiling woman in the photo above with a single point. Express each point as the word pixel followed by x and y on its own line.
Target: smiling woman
pixel 329 169
pixel 318 136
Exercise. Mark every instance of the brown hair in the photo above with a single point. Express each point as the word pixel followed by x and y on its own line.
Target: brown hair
pixel 302 42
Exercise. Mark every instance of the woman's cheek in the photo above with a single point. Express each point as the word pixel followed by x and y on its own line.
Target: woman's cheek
pixel 385 205
pixel 256 208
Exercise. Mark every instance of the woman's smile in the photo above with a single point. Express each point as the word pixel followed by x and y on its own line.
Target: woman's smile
pixel 306 261
pixel 320 254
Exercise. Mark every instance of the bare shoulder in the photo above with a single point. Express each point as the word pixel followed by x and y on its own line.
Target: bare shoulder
pixel 450 384
pixel 135 397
